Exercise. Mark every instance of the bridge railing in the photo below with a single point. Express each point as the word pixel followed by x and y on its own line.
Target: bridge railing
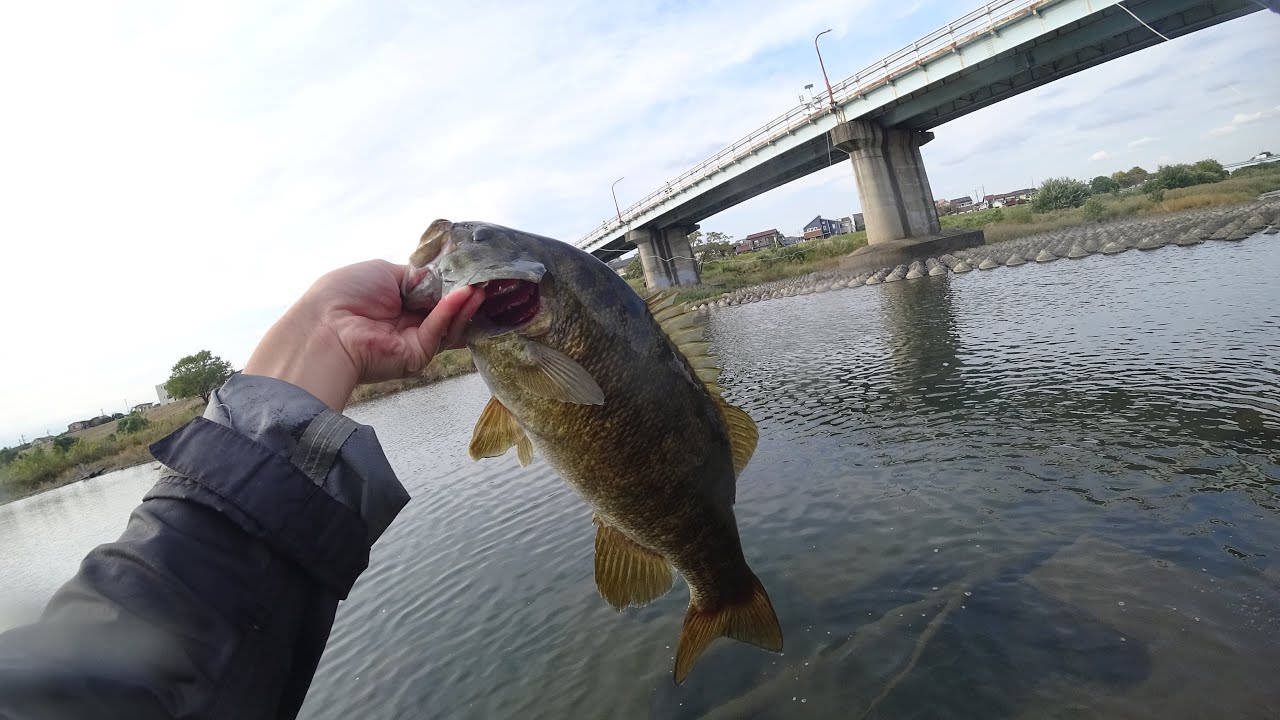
pixel 981 21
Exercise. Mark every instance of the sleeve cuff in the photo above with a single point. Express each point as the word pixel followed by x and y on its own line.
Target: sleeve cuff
pixel 311 483
pixel 268 497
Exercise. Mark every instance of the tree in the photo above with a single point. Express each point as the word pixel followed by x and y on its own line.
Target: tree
pixel 197 375
pixel 694 237
pixel 716 251
pixel 1211 170
pixel 1131 177
pixel 1103 184
pixel 1059 194
pixel 64 443
pixel 634 269
pixel 7 456
pixel 1170 177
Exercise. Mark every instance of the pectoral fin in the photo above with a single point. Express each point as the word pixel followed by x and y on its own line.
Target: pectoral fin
pixel 627 574
pixel 552 374
pixel 496 431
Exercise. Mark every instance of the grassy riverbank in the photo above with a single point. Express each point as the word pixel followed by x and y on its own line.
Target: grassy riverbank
pixel 446 364
pixel 720 277
pixel 762 266
pixel 106 448
pixel 97 450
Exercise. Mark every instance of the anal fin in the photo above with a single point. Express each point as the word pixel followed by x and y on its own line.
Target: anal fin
pixel 626 573
pixel 751 621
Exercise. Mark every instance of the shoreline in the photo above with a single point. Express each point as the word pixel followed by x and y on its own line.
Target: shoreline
pixel 91 457
pixel 1224 223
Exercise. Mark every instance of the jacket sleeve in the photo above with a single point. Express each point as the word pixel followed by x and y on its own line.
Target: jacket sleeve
pixel 217 600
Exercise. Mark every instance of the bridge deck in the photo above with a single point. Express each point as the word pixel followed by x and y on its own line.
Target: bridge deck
pixel 995 52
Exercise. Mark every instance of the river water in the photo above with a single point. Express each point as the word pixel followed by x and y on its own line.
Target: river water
pixel 1048 491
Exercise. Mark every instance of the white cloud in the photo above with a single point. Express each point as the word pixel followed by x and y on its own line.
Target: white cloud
pixel 1240 119
pixel 1144 140
pixel 1100 155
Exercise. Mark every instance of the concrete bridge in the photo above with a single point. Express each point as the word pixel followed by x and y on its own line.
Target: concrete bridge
pixel 880 117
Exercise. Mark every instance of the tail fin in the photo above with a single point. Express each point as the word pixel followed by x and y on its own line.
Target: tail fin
pixel 751 621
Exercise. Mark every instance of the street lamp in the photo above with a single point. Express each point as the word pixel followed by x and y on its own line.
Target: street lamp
pixel 830 95
pixel 612 189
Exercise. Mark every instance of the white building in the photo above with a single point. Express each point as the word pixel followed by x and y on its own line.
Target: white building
pixel 164 396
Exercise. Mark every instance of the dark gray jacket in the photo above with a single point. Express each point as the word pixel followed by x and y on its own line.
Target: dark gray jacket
pixel 217 600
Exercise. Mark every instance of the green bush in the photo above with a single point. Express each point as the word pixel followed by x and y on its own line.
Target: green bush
pixel 1156 193
pixel 133 423
pixel 1020 214
pixel 1060 194
pixel 63 444
pixel 1093 209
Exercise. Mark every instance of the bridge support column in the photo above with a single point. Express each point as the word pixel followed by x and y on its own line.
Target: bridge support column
pixel 666 255
pixel 892 186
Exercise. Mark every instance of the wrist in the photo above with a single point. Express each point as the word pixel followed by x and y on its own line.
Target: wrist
pixel 305 353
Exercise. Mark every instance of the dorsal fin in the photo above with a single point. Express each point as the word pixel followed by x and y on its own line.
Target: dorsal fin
pixel 682 327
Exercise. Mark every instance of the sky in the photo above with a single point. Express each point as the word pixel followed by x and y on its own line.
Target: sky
pixel 173 175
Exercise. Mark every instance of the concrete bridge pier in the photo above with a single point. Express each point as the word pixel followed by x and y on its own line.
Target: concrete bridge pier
pixel 893 188
pixel 666 255
pixel 892 185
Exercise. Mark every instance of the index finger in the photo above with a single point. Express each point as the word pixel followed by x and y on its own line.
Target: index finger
pixel 449 318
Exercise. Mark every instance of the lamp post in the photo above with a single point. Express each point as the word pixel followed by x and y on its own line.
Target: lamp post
pixel 613 190
pixel 830 95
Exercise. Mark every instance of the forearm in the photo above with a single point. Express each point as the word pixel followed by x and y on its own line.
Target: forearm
pixel 302 351
pixel 218 598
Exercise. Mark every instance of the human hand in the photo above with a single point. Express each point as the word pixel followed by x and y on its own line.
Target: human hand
pixel 349 328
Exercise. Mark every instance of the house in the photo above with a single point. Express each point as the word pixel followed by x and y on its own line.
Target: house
pixel 42 441
pixel 762 239
pixel 1008 199
pixel 852 223
pixel 162 395
pixel 619 265
pixel 79 425
pixel 824 227
pixel 141 407
pixel 962 204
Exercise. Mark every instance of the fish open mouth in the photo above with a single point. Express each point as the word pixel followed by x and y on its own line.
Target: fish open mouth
pixel 510 303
